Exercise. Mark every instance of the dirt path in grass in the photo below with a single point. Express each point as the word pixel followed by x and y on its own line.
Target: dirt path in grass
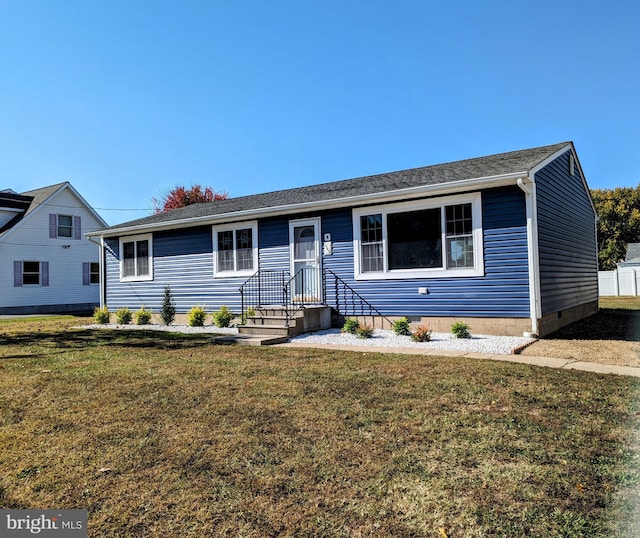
pixel 610 337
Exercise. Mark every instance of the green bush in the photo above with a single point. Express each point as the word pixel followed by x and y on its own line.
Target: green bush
pixel 223 317
pixel 168 311
pixel 422 333
pixel 123 316
pixel 402 327
pixel 364 331
pixel 461 330
pixel 197 315
pixel 351 326
pixel 143 316
pixel 248 313
pixel 101 315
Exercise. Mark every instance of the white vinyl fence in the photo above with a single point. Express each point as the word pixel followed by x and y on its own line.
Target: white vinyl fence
pixel 619 282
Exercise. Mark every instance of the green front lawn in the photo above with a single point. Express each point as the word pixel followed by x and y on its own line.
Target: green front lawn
pixel 164 435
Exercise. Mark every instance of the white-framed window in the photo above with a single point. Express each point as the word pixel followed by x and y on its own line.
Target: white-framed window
pixel 419 239
pixel 235 249
pixel 136 258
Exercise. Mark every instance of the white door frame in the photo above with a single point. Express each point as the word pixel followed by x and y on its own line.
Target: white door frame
pixel 316 285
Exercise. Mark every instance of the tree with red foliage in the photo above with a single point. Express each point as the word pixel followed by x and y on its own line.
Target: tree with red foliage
pixel 181 197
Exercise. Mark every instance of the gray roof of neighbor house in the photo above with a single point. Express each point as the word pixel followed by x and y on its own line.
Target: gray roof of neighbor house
pixel 30 200
pixel 482 167
pixel 26 201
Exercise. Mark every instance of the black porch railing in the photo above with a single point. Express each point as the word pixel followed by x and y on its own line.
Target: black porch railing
pixel 346 301
pixel 290 293
pixel 278 289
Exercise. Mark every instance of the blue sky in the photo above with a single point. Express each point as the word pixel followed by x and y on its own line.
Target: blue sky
pixel 127 99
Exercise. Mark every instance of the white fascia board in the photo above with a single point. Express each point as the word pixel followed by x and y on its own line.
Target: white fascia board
pixel 568 146
pixel 439 189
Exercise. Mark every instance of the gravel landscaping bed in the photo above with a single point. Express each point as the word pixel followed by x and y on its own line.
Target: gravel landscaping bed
pixel 168 328
pixel 478 343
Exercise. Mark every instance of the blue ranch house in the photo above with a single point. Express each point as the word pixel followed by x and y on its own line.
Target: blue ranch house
pixel 505 243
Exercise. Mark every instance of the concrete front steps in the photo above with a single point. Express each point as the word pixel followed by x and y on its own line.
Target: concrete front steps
pixel 270 325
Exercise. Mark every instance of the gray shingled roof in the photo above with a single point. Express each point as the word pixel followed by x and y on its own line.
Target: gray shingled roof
pixel 481 167
pixel 37 196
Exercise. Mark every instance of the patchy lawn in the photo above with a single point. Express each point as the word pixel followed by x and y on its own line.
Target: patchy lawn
pixel 612 336
pixel 165 435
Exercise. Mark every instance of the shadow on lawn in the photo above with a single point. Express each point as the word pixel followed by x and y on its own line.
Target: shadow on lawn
pixel 607 324
pixel 83 338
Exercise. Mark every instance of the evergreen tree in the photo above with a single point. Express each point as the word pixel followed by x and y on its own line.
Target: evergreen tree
pixel 168 312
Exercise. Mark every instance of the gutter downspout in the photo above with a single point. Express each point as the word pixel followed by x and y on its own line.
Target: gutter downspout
pixel 528 186
pixel 103 272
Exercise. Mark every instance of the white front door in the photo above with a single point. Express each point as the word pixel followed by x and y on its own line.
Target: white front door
pixel 304 239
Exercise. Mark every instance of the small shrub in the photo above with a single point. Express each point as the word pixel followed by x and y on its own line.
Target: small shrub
pixel 364 331
pixel 101 315
pixel 168 311
pixel 402 327
pixel 143 316
pixel 351 326
pixel 422 333
pixel 461 330
pixel 223 317
pixel 248 313
pixel 123 316
pixel 197 315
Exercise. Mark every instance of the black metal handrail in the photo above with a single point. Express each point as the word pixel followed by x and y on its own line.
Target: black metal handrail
pixel 280 289
pixel 346 300
pixel 265 287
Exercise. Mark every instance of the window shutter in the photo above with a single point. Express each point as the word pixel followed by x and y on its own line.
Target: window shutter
pixel 53 225
pixel 44 268
pixel 17 274
pixel 77 230
pixel 86 273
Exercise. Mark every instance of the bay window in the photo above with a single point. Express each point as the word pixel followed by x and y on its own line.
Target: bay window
pixel 431 238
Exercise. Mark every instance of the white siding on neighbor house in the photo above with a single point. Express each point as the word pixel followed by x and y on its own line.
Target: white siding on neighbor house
pixel 625 282
pixel 6 215
pixel 29 241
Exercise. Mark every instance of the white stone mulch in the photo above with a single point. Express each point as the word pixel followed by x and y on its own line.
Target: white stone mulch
pixel 167 328
pixel 478 343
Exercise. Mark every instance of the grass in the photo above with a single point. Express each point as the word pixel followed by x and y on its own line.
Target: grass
pixel 619 303
pixel 157 434
pixel 617 319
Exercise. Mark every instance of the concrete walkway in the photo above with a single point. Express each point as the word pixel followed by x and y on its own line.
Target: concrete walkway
pixel 549 362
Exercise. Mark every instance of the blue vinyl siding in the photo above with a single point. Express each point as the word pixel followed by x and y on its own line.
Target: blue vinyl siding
pixel 183 260
pixel 566 238
pixel 503 291
pixel 274 244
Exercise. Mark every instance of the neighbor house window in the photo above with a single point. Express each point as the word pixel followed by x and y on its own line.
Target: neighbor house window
pixel 430 238
pixel 65 227
pixel 235 249
pixel 136 258
pixel 30 273
pixel 90 273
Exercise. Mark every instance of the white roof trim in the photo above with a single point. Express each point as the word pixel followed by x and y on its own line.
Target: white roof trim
pixel 568 147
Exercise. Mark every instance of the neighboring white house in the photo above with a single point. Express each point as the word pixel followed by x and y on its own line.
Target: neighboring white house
pixel 47 265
